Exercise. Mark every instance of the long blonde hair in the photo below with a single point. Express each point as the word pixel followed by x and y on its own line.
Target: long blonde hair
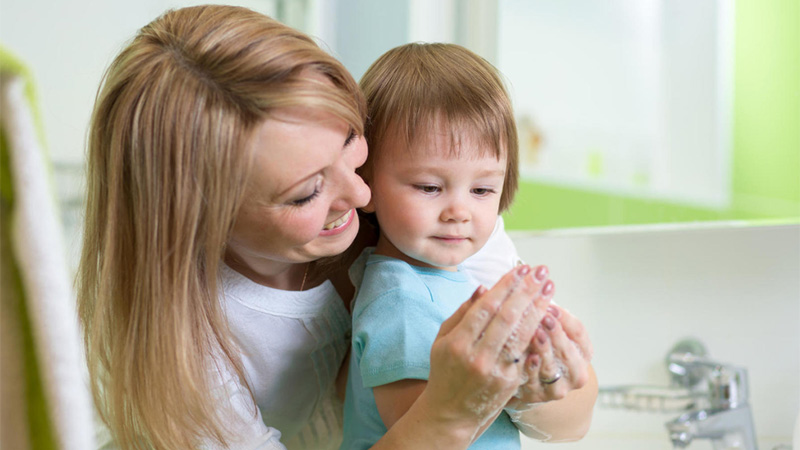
pixel 167 166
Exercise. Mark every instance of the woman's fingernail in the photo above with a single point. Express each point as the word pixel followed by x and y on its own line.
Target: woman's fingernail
pixel 535 360
pixel 553 311
pixel 541 273
pixel 524 270
pixel 548 288
pixel 478 292
pixel 549 322
pixel 541 336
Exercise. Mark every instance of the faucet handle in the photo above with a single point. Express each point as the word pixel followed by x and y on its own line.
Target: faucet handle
pixel 727 386
pixel 681 362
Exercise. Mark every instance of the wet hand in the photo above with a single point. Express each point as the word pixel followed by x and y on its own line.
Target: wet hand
pixel 479 354
pixel 558 362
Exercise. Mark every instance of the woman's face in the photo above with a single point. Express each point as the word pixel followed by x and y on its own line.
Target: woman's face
pixel 301 197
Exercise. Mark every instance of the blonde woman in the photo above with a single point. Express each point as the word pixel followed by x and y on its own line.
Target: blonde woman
pixel 221 188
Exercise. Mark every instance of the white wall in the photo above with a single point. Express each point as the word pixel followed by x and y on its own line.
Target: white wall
pixel 639 291
pixel 67 45
pixel 630 97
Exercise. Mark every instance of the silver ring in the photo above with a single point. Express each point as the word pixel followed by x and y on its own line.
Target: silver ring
pixel 555 378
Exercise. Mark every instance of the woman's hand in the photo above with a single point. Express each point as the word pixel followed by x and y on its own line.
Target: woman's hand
pixel 478 356
pixel 559 362
pixel 481 358
pixel 557 369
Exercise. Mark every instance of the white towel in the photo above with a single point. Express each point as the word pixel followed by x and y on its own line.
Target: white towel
pixel 40 255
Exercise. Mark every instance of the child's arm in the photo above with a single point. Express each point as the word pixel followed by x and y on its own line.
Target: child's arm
pixel 394 399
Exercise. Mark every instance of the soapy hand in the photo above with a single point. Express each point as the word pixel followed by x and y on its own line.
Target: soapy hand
pixel 558 362
pixel 478 356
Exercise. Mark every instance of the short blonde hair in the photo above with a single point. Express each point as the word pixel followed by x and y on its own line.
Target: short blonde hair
pixel 416 87
pixel 167 164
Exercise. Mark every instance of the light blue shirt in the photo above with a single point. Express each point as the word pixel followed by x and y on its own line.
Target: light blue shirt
pixel 397 314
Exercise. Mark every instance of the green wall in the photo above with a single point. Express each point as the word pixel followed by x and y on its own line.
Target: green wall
pixel 765 169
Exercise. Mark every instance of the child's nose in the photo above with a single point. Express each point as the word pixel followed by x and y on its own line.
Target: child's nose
pixel 455 212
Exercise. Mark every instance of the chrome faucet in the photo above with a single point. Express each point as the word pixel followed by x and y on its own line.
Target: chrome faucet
pixel 722 413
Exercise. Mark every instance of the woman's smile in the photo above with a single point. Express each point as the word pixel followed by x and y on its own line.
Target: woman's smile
pixel 339 225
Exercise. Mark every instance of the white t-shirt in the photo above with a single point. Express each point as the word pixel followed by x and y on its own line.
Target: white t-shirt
pixel 293 344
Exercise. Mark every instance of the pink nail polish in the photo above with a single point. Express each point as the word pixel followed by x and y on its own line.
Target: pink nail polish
pixel 553 311
pixel 524 270
pixel 541 273
pixel 549 322
pixel 548 288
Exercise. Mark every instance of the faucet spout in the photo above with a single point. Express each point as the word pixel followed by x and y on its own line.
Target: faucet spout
pixel 724 418
pixel 726 428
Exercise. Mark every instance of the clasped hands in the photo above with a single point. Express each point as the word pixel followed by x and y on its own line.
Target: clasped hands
pixel 556 358
pixel 508 347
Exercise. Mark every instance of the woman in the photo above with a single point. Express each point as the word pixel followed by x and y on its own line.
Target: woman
pixel 221 182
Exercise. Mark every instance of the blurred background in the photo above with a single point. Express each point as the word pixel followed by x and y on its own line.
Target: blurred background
pixel 630 111
pixel 667 114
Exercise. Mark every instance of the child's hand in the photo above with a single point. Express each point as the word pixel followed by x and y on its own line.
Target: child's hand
pixel 558 362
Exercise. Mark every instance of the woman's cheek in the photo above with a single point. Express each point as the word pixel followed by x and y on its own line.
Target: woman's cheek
pixel 307 229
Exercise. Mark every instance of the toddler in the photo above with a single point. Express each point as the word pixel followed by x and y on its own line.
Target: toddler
pixel 442 165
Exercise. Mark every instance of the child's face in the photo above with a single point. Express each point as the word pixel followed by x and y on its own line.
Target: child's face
pixel 435 208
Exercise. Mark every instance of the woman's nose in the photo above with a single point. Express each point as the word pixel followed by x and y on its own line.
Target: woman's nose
pixel 353 191
pixel 361 192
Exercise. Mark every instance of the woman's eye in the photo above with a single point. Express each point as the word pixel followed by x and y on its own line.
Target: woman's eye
pixel 350 138
pixel 304 200
pixel 427 188
pixel 318 184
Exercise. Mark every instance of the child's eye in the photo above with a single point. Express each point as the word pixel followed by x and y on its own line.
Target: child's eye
pixel 483 191
pixel 427 188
